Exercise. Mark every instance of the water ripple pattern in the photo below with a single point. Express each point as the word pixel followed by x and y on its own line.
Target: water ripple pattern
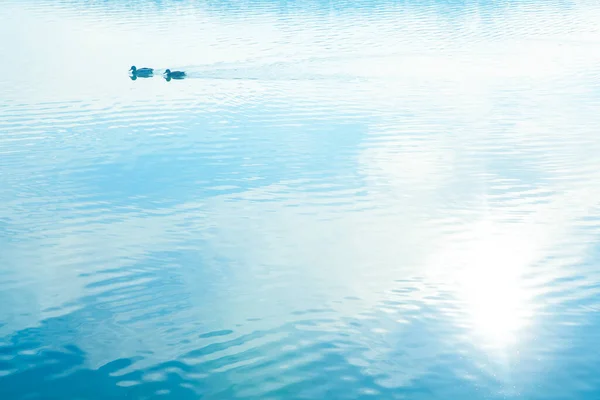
pixel 342 200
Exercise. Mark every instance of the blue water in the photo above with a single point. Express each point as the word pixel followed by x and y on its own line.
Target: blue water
pixel 343 200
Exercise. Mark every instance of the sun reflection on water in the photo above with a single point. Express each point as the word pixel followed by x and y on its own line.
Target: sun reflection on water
pixel 488 271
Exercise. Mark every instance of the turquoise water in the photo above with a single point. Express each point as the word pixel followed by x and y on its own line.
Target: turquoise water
pixel 343 200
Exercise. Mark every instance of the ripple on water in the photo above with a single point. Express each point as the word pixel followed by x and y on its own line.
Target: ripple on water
pixel 342 200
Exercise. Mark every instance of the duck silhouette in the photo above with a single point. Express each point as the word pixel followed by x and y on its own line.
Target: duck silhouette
pixel 141 72
pixel 174 74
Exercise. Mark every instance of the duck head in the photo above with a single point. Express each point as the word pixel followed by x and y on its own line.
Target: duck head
pixel 167 71
pixel 133 69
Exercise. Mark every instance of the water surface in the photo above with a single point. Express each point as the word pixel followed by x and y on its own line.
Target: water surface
pixel 344 200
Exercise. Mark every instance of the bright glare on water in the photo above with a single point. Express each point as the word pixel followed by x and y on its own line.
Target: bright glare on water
pixel 342 200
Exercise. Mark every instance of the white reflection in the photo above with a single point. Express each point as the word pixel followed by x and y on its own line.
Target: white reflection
pixel 489 279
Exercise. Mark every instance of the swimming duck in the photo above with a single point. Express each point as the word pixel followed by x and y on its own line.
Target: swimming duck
pixel 174 74
pixel 141 72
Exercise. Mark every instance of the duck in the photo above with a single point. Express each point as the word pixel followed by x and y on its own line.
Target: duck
pixel 174 74
pixel 141 72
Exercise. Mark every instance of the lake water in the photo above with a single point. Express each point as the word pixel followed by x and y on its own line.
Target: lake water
pixel 343 200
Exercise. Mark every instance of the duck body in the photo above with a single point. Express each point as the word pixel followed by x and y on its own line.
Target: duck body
pixel 174 74
pixel 141 72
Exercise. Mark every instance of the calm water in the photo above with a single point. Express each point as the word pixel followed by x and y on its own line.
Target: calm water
pixel 344 200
